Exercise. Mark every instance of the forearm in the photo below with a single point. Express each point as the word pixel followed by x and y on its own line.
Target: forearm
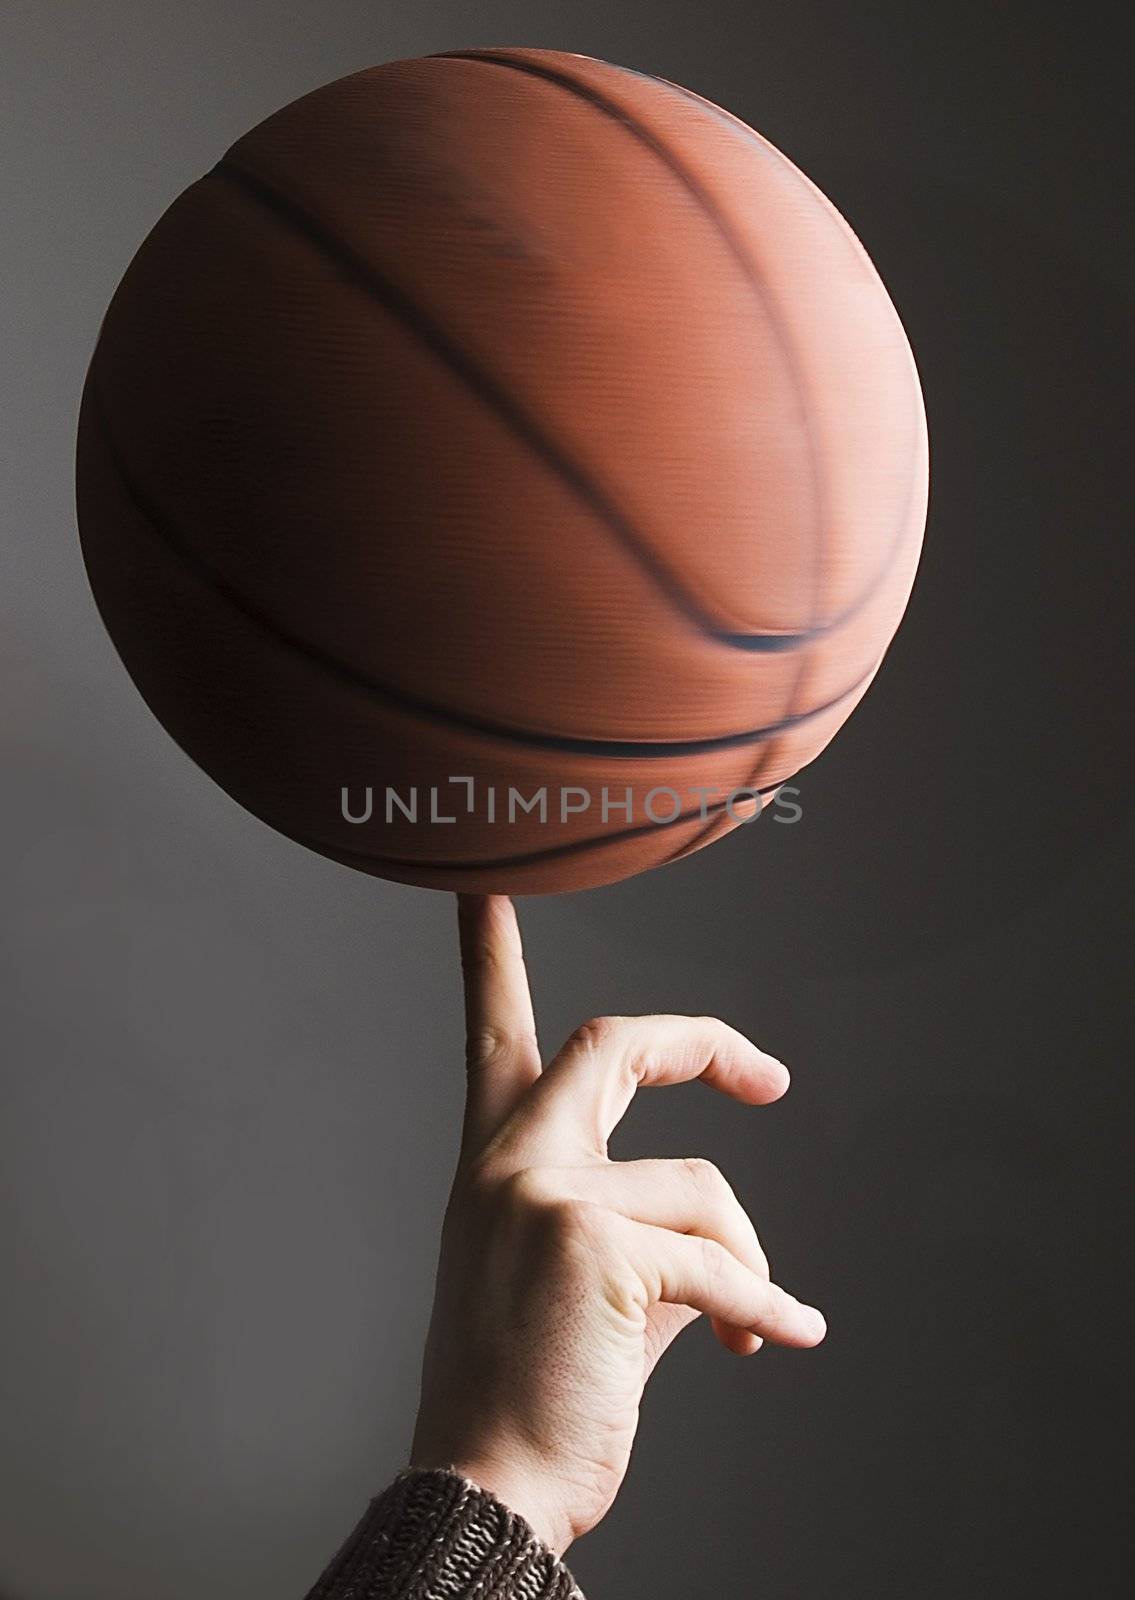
pixel 434 1534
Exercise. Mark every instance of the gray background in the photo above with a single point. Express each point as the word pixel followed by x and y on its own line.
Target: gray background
pixel 231 1078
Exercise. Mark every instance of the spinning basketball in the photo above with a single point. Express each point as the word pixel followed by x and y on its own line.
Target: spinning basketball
pixel 500 470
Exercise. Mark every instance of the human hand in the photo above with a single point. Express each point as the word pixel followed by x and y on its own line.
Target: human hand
pixel 564 1275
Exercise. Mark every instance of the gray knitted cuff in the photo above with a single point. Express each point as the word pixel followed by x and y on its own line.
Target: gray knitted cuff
pixel 433 1535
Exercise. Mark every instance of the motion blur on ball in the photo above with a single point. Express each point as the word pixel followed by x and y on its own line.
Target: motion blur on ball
pixel 501 471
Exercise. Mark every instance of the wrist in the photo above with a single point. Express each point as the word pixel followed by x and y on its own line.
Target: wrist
pixel 518 1490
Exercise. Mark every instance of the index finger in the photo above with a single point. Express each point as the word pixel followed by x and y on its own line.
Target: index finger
pixel 501 1052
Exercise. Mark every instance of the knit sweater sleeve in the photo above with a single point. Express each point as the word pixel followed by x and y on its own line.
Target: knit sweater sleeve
pixel 434 1535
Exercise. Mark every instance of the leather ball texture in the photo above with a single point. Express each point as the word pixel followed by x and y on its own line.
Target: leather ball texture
pixel 501 425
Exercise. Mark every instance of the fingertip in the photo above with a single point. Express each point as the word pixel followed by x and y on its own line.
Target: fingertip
pixel 793 1323
pixel 768 1079
pixel 815 1326
pixel 779 1077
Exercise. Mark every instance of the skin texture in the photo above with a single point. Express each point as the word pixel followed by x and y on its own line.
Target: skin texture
pixel 564 1276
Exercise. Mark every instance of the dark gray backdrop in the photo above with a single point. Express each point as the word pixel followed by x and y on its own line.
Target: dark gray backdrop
pixel 232 1080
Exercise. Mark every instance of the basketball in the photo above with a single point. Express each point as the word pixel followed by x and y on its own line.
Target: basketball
pixel 503 471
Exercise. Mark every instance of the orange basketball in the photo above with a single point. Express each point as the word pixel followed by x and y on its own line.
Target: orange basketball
pixel 495 426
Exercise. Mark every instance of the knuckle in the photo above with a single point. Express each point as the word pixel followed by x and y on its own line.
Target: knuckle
pixel 706 1178
pixel 719 1200
pixel 774 1308
pixel 714 1260
pixel 593 1034
pixel 490 1043
pixel 485 1044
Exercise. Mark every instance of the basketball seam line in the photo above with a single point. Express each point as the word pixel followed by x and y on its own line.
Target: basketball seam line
pixel 749 267
pixel 524 858
pixel 709 208
pixel 768 751
pixel 897 539
pixel 622 116
pixel 374 282
pixel 404 700
pixel 742 130
pixel 395 300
